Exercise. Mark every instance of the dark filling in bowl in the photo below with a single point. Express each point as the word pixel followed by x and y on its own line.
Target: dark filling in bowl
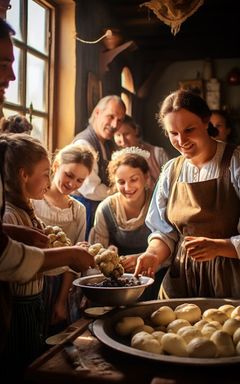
pixel 119 282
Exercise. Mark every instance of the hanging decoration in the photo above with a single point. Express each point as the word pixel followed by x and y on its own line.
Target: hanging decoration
pixel 173 12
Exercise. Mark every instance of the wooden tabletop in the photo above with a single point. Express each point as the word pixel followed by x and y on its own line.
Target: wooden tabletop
pixel 110 366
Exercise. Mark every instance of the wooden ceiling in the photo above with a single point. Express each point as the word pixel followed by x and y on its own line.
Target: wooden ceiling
pixel 212 31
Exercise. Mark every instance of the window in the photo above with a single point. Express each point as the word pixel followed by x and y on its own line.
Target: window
pixel 127 89
pixel 29 94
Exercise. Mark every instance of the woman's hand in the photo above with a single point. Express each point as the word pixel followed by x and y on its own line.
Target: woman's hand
pixel 147 264
pixel 129 262
pixel 204 248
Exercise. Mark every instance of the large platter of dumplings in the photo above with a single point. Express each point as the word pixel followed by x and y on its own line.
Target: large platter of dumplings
pixel 186 331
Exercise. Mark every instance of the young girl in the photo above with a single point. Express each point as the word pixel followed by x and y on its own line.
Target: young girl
pixel 26 171
pixel 120 218
pixel 70 167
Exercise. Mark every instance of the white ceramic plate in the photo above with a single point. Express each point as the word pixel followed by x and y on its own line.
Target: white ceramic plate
pixel 104 330
pixel 97 311
pixel 57 339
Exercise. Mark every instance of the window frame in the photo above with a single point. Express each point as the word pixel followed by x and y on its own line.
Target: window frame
pixel 49 59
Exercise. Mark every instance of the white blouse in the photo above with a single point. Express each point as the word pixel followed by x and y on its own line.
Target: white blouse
pixel 72 220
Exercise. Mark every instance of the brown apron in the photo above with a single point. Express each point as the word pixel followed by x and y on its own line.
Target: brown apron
pixel 211 209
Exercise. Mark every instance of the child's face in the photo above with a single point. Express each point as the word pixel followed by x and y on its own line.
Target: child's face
pixel 69 177
pixel 37 184
pixel 126 136
pixel 130 182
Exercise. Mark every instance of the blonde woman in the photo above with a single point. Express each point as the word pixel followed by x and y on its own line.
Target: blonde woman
pixel 71 166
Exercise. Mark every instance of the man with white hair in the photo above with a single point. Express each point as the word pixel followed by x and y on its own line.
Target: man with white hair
pixel 105 120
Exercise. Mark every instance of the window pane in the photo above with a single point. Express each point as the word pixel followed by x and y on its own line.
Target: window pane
pixel 13 18
pixel 39 128
pixel 13 91
pixel 9 112
pixel 36 82
pixel 37 30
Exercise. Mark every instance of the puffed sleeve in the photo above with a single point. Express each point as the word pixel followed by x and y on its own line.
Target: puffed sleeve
pixel 156 218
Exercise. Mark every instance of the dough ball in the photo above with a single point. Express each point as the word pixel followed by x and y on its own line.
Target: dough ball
pixel 208 330
pixel 158 335
pixel 189 333
pixel 224 343
pixel 201 347
pixel 174 344
pixel 236 336
pixel 56 229
pixel 227 308
pixel 231 325
pixel 235 312
pixel 190 312
pixel 200 324
pixel 213 314
pixel 126 325
pixel 215 324
pixel 177 324
pixel 145 328
pixel 94 249
pixel 146 342
pixel 163 316
pixel 48 229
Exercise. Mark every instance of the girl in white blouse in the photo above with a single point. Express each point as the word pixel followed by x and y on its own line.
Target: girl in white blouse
pixel 71 166
pixel 194 213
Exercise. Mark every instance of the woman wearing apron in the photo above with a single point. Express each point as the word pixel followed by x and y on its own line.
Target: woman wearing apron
pixel 195 210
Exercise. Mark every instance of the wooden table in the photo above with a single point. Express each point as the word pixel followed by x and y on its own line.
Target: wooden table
pixel 110 366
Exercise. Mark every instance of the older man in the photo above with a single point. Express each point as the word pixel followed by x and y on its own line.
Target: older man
pixel 105 120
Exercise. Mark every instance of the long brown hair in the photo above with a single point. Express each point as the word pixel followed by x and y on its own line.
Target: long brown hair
pixel 21 151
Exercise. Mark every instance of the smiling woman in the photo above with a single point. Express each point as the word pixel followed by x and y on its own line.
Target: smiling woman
pixel 194 213
pixel 120 218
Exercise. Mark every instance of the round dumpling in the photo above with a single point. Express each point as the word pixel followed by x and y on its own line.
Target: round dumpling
pixel 177 324
pixel 163 316
pixel 231 325
pixel 158 335
pixel 126 325
pixel 236 312
pixel 208 330
pixel 224 343
pixel 189 333
pixel 146 342
pixel 190 312
pixel 174 344
pixel 213 314
pixel 201 347
pixel 236 336
pixel 200 324
pixel 227 308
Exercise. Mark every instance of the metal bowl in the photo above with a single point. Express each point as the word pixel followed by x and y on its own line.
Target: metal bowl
pixel 112 296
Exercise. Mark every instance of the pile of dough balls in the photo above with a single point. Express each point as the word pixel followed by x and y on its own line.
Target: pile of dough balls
pixel 185 331
pixel 107 261
pixel 57 237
